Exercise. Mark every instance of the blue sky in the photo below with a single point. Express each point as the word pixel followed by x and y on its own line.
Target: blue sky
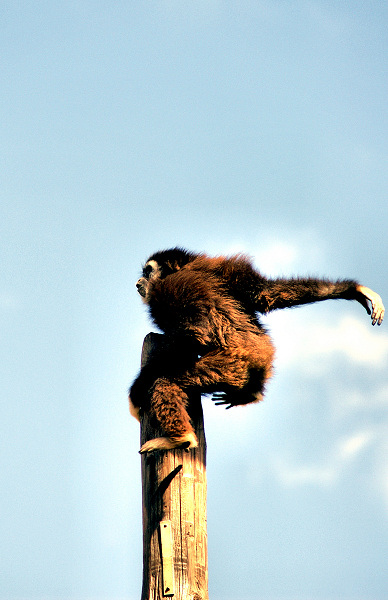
pixel 219 126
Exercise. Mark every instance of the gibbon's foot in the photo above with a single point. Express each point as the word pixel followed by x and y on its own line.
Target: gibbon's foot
pixel 230 399
pixel 164 443
pixel 377 311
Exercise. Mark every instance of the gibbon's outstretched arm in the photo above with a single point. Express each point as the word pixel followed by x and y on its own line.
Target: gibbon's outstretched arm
pixel 284 293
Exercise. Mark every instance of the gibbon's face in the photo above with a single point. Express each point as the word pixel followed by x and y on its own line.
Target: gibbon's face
pixel 160 265
pixel 151 271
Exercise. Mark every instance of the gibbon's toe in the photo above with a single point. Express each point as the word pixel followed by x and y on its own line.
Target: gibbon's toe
pixel 163 443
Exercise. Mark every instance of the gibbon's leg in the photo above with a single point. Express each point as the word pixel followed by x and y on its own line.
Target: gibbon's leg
pixel 236 376
pixel 168 403
pixel 165 359
pixel 237 373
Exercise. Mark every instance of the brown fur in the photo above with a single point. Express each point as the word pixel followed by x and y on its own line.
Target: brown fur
pixel 214 342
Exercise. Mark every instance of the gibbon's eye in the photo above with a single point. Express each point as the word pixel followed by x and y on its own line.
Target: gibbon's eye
pixel 147 271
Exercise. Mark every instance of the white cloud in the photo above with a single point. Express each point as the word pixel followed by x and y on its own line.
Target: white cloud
pixel 277 253
pixel 346 400
pixel 277 257
pixel 314 347
pixel 348 448
pixel 280 254
pixel 291 475
pixel 344 452
pixel 358 342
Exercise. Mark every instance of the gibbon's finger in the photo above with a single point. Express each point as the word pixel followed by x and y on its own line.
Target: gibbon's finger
pixel 219 399
pixel 377 311
pixel 378 316
pixel 223 403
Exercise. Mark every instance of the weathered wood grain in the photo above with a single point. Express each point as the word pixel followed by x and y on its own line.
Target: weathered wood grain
pixel 174 493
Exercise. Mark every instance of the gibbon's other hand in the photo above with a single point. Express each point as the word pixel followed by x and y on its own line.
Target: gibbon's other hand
pixel 237 397
pixel 221 399
pixel 367 295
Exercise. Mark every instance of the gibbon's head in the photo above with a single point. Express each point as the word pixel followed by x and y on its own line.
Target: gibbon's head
pixel 160 265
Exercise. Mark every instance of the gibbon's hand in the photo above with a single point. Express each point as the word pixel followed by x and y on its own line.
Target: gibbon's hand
pixel 366 295
pixel 221 399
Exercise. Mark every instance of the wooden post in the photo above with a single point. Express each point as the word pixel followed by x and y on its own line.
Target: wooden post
pixel 174 511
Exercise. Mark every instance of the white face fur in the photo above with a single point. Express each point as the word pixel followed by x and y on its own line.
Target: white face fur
pixel 151 271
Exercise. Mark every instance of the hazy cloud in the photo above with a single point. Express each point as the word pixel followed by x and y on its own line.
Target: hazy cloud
pixel 276 254
pixel 327 472
pixel 314 347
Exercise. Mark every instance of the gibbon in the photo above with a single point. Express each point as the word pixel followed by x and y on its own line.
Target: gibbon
pixel 214 342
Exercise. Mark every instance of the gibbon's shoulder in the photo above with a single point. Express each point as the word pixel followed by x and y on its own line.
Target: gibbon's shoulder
pixel 237 277
pixel 225 267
